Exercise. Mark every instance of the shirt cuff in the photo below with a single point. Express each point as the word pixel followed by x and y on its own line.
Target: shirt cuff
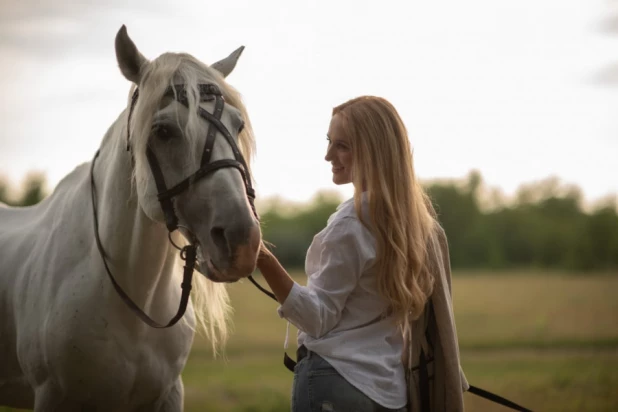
pixel 287 308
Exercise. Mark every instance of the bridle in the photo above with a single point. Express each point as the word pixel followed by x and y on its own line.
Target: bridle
pixel 207 92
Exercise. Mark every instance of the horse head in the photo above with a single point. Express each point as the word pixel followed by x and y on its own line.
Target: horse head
pixel 189 135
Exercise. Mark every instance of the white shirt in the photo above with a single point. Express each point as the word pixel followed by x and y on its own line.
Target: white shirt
pixel 340 314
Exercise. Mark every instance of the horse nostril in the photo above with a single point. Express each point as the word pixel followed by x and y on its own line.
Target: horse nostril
pixel 218 237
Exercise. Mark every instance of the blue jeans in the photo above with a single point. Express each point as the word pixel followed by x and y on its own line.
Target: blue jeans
pixel 318 387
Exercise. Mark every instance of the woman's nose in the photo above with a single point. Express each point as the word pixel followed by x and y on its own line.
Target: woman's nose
pixel 329 154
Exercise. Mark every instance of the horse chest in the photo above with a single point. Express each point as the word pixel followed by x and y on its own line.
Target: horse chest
pixel 99 357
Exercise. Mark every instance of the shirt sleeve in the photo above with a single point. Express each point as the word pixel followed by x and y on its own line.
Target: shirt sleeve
pixel 344 252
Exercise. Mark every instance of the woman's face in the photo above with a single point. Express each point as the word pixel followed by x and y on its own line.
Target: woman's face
pixel 339 152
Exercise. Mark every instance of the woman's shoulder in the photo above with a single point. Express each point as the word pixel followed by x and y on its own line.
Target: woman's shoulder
pixel 347 209
pixel 344 217
pixel 346 227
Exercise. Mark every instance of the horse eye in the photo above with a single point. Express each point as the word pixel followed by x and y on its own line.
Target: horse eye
pixel 242 126
pixel 163 132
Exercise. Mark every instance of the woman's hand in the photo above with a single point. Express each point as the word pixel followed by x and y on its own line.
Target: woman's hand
pixel 265 256
pixel 276 276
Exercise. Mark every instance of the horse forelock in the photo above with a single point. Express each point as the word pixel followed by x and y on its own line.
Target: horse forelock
pixel 179 68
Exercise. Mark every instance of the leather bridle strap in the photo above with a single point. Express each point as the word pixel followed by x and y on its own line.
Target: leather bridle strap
pixel 188 254
pixel 214 121
pixel 165 195
pixel 171 220
pixel 212 130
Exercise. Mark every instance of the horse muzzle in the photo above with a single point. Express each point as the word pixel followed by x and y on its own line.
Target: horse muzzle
pixel 230 258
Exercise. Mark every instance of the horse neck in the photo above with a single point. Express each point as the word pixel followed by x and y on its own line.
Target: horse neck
pixel 137 249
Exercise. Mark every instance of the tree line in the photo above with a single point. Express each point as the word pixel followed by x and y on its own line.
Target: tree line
pixel 546 225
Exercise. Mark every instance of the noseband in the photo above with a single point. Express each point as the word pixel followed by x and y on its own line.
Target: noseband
pixel 207 92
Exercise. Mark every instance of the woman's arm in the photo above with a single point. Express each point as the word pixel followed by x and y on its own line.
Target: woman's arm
pixel 316 308
pixel 276 276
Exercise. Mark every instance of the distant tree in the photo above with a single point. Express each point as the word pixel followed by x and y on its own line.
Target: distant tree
pixel 598 245
pixel 4 188
pixel 291 229
pixel 459 214
pixel 33 189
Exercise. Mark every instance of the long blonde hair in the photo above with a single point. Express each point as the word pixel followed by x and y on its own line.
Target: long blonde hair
pixel 400 214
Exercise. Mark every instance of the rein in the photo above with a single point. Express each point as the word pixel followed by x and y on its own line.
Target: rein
pixel 208 92
pixel 187 253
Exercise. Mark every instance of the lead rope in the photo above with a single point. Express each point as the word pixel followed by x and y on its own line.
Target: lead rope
pixel 262 289
pixel 287 361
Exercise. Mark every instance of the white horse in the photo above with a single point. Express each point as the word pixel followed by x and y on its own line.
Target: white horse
pixel 68 342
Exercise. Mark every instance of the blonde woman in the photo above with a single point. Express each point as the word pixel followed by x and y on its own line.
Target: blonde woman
pixel 369 271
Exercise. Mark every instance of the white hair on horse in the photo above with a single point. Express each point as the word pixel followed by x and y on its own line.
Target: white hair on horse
pixel 210 300
pixel 180 68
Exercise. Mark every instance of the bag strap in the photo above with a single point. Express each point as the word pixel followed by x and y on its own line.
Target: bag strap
pixel 424 382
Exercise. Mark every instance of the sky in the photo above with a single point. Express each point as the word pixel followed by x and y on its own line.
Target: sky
pixel 519 90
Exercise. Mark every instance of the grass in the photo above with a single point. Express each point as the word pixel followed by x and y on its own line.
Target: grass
pixel 545 380
pixel 546 341
pixel 530 310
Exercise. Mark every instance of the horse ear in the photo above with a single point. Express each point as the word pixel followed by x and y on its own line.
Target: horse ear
pixel 226 65
pixel 130 60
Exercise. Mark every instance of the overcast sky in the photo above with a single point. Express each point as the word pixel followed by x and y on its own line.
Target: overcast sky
pixel 517 89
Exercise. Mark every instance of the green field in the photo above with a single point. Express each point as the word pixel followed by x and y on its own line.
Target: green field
pixel 547 341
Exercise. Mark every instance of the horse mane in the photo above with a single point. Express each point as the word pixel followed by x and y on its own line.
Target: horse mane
pixel 210 300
